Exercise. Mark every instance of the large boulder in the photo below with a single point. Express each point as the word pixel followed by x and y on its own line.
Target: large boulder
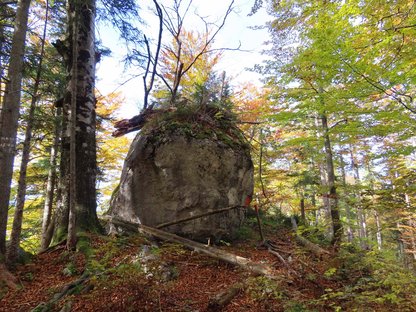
pixel 178 171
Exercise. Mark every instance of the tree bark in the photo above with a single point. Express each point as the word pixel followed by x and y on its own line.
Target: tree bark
pixel 81 83
pixel 350 233
pixel 332 194
pixel 51 185
pixel 323 212
pixel 10 116
pixel 302 208
pixel 362 222
pixel 378 233
pixel 12 252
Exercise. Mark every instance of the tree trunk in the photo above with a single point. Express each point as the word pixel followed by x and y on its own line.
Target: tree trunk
pixel 2 39
pixel 332 194
pixel 81 82
pixel 74 31
pixel 12 252
pixel 324 212
pixel 362 222
pixel 10 116
pixel 350 233
pixel 302 209
pixel 51 185
pixel 86 169
pixel 378 233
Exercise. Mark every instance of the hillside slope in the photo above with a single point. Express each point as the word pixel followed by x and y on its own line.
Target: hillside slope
pixel 132 273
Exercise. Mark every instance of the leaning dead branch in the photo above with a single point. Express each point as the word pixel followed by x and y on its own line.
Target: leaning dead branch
pixel 209 213
pixel 246 264
pixel 315 249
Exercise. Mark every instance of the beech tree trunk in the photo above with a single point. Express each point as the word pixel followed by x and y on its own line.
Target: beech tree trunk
pixel 80 49
pixel 10 116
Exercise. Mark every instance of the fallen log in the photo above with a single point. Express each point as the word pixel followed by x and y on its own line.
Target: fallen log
pixel 247 264
pixel 160 226
pixel 315 249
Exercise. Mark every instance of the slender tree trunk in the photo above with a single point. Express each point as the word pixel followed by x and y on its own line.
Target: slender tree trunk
pixel 302 208
pixel 411 242
pixel 350 233
pixel 377 218
pixel 47 225
pixel 2 38
pixel 332 194
pixel 325 199
pixel 12 252
pixel 378 233
pixel 73 20
pixel 61 214
pixel 323 212
pixel 10 116
pixel 362 222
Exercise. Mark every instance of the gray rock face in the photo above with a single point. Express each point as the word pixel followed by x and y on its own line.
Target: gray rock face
pixel 179 177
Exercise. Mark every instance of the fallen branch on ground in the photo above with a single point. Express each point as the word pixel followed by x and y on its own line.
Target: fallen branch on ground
pixel 66 290
pixel 242 262
pixel 315 249
pixel 271 249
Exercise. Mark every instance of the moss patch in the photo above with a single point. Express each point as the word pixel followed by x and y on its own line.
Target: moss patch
pixel 197 122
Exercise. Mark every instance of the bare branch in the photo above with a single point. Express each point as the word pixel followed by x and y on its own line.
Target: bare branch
pixel 211 39
pixel 148 88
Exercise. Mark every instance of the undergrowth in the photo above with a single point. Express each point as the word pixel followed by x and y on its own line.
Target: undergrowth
pixel 372 281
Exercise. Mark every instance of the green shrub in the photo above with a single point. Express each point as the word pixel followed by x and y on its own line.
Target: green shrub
pixel 374 280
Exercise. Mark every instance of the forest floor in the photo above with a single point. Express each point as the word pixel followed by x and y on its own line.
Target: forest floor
pixel 132 273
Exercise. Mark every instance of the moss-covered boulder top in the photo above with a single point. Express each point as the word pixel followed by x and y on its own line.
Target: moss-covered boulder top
pixel 195 121
pixel 187 161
